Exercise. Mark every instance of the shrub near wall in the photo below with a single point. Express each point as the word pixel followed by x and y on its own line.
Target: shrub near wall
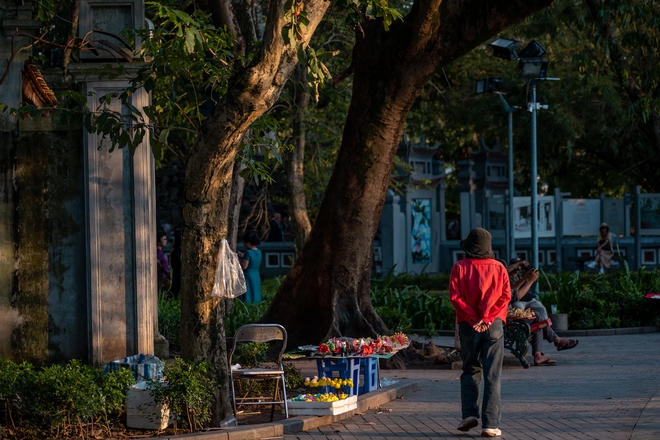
pixel 61 400
pixel 602 301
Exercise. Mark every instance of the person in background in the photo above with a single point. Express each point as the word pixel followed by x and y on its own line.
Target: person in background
pixel 522 277
pixel 251 262
pixel 604 248
pixel 480 292
pixel 175 264
pixel 163 266
pixel 276 232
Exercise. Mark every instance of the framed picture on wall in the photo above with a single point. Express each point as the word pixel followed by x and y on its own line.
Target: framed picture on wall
pixel 420 234
pixel 272 259
pixel 649 256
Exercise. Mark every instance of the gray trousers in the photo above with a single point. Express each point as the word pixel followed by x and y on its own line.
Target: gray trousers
pixel 537 338
pixel 482 355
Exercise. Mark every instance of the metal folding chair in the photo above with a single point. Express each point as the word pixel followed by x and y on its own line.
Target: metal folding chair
pixel 261 333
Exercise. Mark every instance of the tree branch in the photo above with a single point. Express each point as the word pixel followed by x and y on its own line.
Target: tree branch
pixel 343 75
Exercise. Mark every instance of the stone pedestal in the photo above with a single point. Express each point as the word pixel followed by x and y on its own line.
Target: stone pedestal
pixel 559 321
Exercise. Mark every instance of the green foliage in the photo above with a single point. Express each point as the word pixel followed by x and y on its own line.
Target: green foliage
pixel 410 308
pixel 293 377
pixel 60 399
pixel 169 317
pixel 602 301
pixel 425 281
pixel 255 355
pixel 395 319
pixel 11 376
pixel 188 391
pixel 114 386
pixel 591 127
pixel 250 354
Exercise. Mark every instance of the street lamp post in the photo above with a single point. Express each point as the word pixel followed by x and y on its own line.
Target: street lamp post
pixel 533 68
pixel 512 239
pixel 534 182
pixel 496 85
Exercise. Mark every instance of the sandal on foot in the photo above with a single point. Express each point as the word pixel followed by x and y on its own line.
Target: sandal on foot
pixel 572 343
pixel 545 362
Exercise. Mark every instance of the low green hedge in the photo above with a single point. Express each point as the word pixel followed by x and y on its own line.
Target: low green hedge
pixel 77 400
pixel 60 400
pixel 611 300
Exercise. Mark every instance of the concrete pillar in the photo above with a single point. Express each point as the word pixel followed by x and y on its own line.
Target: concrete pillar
pixel 121 228
pixel 559 228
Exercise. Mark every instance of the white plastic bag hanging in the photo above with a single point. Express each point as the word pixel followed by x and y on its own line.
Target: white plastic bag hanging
pixel 229 279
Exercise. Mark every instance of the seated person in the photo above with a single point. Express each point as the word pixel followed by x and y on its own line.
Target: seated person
pixel 522 277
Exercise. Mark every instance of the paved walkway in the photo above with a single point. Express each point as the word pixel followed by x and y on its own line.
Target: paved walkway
pixel 602 389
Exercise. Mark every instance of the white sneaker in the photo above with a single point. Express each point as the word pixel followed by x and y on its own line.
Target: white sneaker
pixel 491 432
pixel 601 271
pixel 467 424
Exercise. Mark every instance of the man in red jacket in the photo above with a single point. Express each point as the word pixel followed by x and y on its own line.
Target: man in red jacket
pixel 480 292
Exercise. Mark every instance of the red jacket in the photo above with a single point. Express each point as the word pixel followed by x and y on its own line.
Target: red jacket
pixel 479 290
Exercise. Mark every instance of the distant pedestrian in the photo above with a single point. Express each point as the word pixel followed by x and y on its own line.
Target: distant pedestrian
pixel 276 232
pixel 163 266
pixel 480 291
pixel 251 262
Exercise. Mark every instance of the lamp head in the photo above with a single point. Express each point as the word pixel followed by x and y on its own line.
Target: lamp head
pixel 533 68
pixel 505 48
pixel 492 84
pixel 532 50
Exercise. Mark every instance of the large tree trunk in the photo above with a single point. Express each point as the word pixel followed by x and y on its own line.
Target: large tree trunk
pixel 296 160
pixel 235 201
pixel 327 291
pixel 207 191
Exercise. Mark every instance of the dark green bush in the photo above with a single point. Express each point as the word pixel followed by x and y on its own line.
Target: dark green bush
pixel 602 301
pixel 169 317
pixel 61 399
pixel 188 391
pixel 425 281
pixel 410 308
pixel 395 319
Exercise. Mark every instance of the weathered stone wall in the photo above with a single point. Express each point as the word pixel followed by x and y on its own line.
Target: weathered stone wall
pixel 9 316
pixel 43 301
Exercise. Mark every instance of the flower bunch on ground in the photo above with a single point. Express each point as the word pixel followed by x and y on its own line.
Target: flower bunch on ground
pixel 320 397
pixel 363 346
pixel 336 389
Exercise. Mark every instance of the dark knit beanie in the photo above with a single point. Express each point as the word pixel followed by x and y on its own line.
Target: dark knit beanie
pixel 478 244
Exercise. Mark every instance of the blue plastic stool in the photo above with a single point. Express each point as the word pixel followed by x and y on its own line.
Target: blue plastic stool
pixel 369 375
pixel 347 368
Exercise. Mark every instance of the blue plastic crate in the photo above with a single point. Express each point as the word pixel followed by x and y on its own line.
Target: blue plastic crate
pixel 368 375
pixel 346 368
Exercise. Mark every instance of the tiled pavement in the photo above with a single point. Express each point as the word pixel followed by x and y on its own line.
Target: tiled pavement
pixel 599 390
